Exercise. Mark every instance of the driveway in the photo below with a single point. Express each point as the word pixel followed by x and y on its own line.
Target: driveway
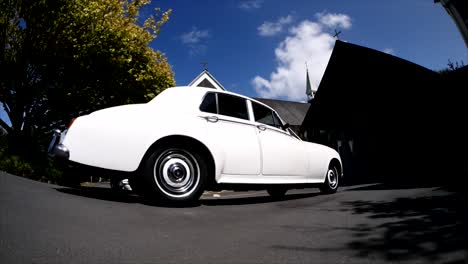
pixel 374 223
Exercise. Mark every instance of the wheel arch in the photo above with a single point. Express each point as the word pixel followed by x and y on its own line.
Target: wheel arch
pixel 337 163
pixel 185 141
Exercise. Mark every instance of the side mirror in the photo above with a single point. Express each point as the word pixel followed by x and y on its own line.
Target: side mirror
pixel 285 126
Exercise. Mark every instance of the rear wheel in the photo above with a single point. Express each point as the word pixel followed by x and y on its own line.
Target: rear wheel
pixel 331 180
pixel 175 174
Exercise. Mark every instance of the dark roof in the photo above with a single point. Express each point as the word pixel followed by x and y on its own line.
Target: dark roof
pixel 291 112
pixel 364 87
pixel 404 118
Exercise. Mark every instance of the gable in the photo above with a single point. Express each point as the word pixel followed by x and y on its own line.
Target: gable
pixel 205 79
pixel 206 83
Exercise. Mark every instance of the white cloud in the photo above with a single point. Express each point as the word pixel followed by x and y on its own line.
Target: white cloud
pixel 306 42
pixel 195 36
pixel 195 40
pixel 389 51
pixel 268 29
pixel 334 20
pixel 250 4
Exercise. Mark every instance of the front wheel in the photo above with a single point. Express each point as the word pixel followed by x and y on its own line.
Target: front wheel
pixel 175 174
pixel 331 180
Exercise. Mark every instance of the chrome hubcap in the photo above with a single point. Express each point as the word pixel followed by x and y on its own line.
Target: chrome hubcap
pixel 176 172
pixel 332 178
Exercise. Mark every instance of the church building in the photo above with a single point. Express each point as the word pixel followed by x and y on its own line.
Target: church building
pixel 389 119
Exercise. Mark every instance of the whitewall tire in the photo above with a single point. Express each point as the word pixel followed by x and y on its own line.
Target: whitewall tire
pixel 175 173
pixel 332 180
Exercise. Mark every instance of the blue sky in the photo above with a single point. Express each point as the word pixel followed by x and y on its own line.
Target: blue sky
pixel 259 48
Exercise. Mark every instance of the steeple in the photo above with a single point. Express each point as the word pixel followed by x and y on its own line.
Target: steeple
pixel 309 92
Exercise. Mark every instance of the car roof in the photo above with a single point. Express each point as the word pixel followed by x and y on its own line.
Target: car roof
pixel 203 90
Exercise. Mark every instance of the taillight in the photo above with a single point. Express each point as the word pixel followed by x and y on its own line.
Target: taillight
pixel 71 123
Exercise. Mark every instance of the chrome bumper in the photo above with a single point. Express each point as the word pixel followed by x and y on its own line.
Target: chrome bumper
pixel 56 148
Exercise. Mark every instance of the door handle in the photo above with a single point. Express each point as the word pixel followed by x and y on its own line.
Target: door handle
pixel 212 119
pixel 261 127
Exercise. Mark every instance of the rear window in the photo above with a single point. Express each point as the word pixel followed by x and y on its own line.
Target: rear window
pixel 209 103
pixel 232 106
pixel 225 104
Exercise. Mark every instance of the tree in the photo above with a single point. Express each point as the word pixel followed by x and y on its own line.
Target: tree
pixel 63 58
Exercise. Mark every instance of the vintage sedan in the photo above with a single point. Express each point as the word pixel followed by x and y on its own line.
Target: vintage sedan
pixel 188 140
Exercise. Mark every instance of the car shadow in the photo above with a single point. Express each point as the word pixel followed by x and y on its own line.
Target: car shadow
pixel 101 193
pixel 254 199
pixel 107 194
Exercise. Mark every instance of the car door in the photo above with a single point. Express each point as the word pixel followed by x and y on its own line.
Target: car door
pixel 228 125
pixel 282 153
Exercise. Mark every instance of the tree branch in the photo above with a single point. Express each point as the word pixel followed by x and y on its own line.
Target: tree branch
pixel 6 107
pixel 5 126
pixel 7 111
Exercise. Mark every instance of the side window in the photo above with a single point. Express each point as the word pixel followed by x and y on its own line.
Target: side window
pixel 232 106
pixel 278 122
pixel 263 114
pixel 209 103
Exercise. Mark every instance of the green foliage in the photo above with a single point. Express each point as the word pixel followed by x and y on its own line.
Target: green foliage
pixel 43 170
pixel 63 58
pixel 16 165
pixel 20 166
pixel 452 66
pixel 68 57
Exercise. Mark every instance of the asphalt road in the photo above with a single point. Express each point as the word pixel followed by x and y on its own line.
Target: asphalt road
pixel 378 223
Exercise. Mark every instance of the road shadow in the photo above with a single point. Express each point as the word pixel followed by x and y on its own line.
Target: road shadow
pixel 107 194
pixel 393 186
pixel 431 228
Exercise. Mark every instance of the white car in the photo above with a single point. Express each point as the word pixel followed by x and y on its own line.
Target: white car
pixel 188 140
